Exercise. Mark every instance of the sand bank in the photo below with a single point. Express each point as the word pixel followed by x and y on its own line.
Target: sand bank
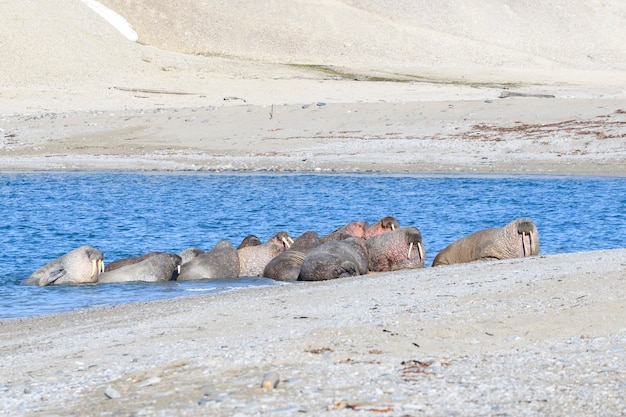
pixel 492 135
pixel 405 88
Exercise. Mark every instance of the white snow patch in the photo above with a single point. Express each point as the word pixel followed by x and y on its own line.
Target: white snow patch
pixel 113 18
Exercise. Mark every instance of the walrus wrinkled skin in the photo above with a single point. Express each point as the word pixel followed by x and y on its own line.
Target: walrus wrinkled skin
pixel 80 266
pixel 335 259
pixel 220 262
pixel 401 248
pixel 286 265
pixel 253 259
pixel 517 239
pixel 157 267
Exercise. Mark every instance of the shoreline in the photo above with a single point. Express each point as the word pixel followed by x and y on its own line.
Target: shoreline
pixel 262 172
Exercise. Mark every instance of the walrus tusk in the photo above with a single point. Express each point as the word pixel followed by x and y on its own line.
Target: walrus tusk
pixel 393 227
pixel 286 242
pixel 524 250
pixel 178 269
pixel 421 250
pixel 100 266
pixel 94 268
pixel 410 249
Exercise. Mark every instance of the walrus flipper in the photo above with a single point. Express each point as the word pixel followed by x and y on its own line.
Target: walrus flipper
pixel 55 274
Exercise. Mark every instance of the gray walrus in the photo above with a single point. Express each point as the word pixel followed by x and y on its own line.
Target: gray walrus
pixel 188 254
pixel 159 266
pixel 517 239
pixel 335 259
pixel 220 262
pixel 127 261
pixel 253 259
pixel 401 248
pixel 286 266
pixel 80 266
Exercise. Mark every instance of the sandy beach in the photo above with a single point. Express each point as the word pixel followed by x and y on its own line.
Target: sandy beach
pixel 330 86
pixel 537 336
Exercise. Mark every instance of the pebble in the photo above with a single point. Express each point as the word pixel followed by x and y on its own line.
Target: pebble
pixel 112 393
pixel 270 380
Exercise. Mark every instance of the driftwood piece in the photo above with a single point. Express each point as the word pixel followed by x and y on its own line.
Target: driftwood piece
pixel 153 91
pixel 506 93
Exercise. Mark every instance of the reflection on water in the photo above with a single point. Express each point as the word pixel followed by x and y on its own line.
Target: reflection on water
pixel 44 215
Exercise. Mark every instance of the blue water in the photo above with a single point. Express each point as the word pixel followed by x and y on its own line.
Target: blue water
pixel 44 215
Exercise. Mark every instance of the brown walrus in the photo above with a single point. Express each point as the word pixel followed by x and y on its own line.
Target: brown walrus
pixel 517 239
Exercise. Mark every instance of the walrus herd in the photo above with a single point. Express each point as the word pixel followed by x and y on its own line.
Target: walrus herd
pixel 355 249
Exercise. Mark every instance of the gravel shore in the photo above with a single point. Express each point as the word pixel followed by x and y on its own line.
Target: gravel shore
pixel 535 336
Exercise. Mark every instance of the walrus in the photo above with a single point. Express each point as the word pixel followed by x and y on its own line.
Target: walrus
pixel 159 266
pixel 220 262
pixel 253 259
pixel 356 229
pixel 286 265
pixel 517 239
pixel 127 261
pixel 80 266
pixel 362 229
pixel 386 224
pixel 398 249
pixel 188 254
pixel 335 259
pixel 250 240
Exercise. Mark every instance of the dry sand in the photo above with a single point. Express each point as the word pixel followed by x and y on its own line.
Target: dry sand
pixel 504 87
pixel 285 87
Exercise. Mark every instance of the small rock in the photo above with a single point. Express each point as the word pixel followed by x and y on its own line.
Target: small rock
pixel 338 405
pixel 270 380
pixel 112 393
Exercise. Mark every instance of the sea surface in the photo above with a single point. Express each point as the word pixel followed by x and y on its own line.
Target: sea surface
pixel 44 215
